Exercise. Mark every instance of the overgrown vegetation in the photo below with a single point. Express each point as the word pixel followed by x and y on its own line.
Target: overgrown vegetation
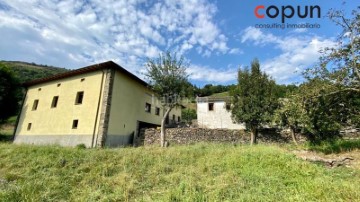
pixel 203 172
pixel 329 99
pixel 188 115
pixel 336 146
pixel 10 93
pixel 29 71
pixel 7 130
pixel 6 135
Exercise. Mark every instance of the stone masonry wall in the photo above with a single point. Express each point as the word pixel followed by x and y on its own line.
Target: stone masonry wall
pixel 193 135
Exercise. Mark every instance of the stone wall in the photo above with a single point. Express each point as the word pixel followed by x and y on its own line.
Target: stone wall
pixel 193 135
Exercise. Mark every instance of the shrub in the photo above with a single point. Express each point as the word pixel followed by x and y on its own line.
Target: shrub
pixel 81 146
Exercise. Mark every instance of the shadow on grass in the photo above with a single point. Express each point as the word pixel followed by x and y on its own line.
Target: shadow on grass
pixel 6 131
pixel 6 137
pixel 273 135
pixel 337 146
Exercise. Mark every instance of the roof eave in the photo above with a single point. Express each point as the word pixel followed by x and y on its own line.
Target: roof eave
pixel 91 68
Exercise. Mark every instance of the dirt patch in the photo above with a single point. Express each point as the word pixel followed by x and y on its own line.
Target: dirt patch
pixel 347 159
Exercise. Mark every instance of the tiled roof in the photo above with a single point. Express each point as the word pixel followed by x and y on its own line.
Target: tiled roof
pixel 91 68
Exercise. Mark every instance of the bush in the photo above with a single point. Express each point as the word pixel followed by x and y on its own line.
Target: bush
pixel 80 146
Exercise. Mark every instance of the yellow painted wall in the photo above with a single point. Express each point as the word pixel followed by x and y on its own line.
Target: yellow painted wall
pixel 54 125
pixel 128 106
pixel 58 121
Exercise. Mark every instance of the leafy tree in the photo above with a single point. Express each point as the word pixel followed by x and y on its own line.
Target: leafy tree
pixel 332 92
pixel 340 65
pixel 168 77
pixel 190 91
pixel 254 99
pixel 9 93
pixel 188 115
pixel 327 112
pixel 282 90
pixel 291 113
pixel 316 112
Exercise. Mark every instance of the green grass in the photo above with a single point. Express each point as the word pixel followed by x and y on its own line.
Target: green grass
pixel 219 95
pixel 11 120
pixel 6 133
pixel 201 172
pixel 337 146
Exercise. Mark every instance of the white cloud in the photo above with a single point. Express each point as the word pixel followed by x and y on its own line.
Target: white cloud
pixel 297 53
pixel 257 37
pixel 236 51
pixel 210 75
pixel 74 33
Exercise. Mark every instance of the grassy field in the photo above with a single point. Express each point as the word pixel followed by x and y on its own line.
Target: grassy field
pixel 201 172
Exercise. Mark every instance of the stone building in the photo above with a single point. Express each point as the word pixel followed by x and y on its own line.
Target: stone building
pixel 214 112
pixel 98 105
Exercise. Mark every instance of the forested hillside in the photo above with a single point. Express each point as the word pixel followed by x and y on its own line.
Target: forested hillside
pixel 29 71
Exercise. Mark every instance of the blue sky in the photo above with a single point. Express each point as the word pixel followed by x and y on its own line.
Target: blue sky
pixel 216 37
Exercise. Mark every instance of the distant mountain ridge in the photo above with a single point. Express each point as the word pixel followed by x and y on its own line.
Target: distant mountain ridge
pixel 26 71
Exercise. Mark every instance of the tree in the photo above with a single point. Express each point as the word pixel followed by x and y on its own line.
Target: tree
pixel 167 76
pixel 281 91
pixel 327 112
pixel 254 100
pixel 291 113
pixel 332 91
pixel 188 115
pixel 9 93
pixel 340 65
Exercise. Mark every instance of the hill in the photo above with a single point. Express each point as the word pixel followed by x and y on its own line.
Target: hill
pixel 220 95
pixel 30 71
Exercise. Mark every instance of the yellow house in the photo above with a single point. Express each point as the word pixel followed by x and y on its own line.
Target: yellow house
pixel 98 105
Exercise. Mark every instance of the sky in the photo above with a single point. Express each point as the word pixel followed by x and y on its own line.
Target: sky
pixel 215 37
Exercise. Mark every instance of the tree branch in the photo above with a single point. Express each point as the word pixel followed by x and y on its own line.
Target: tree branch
pixel 338 91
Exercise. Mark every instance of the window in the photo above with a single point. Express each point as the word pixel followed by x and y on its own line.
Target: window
pixel 35 105
pixel 211 106
pixel 54 102
pixel 75 124
pixel 174 117
pixel 157 111
pixel 179 119
pixel 29 126
pixel 148 107
pixel 79 97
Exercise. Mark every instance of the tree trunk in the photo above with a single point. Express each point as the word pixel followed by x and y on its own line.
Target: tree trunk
pixel 292 131
pixel 253 135
pixel 163 129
